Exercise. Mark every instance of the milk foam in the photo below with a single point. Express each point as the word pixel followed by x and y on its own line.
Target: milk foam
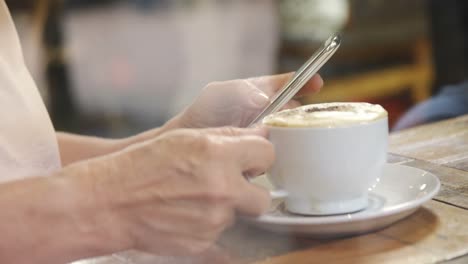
pixel 327 115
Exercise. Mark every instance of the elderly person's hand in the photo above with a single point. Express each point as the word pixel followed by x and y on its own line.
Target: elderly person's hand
pixel 169 195
pixel 176 193
pixel 237 102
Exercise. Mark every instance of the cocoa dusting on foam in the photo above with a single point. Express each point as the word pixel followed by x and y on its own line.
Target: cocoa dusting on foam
pixel 329 108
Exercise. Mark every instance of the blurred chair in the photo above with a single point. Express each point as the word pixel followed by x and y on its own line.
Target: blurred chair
pixel 449 28
pixel 450 102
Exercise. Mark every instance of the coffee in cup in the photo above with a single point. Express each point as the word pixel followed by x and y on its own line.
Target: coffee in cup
pixel 328 155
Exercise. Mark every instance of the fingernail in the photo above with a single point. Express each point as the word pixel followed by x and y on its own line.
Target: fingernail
pixel 320 81
pixel 259 99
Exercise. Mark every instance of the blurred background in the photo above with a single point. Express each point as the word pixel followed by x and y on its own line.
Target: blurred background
pixel 117 67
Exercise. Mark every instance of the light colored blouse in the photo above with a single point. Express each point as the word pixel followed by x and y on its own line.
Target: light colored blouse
pixel 28 144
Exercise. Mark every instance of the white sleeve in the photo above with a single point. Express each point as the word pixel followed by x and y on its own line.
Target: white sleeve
pixel 28 144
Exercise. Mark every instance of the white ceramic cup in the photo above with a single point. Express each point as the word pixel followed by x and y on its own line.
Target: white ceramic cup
pixel 324 171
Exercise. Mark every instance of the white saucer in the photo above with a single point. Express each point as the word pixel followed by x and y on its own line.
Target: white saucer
pixel 399 192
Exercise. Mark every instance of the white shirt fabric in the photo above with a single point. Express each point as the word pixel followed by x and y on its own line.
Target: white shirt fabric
pixel 28 145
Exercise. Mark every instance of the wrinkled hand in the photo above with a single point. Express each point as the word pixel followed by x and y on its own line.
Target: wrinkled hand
pixel 237 102
pixel 176 193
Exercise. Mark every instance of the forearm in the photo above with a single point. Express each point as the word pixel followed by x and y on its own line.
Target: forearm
pixel 74 148
pixel 56 219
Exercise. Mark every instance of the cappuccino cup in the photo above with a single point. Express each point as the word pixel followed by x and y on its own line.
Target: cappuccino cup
pixel 327 156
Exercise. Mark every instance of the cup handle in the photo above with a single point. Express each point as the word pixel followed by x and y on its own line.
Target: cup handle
pixel 278 194
pixel 274 194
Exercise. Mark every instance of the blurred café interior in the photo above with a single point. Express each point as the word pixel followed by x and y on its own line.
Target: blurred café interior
pixel 117 67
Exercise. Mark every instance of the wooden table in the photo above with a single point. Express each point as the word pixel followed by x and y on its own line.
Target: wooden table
pixel 436 233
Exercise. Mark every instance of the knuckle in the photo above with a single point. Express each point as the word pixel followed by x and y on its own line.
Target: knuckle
pixel 210 86
pixel 265 151
pixel 214 150
pixel 216 89
pixel 229 131
pixel 217 219
pixel 203 146
pixel 218 192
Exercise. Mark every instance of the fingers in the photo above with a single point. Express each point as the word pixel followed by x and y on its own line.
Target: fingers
pixel 255 155
pixel 236 132
pixel 251 200
pixel 248 146
pixel 248 152
pixel 272 84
